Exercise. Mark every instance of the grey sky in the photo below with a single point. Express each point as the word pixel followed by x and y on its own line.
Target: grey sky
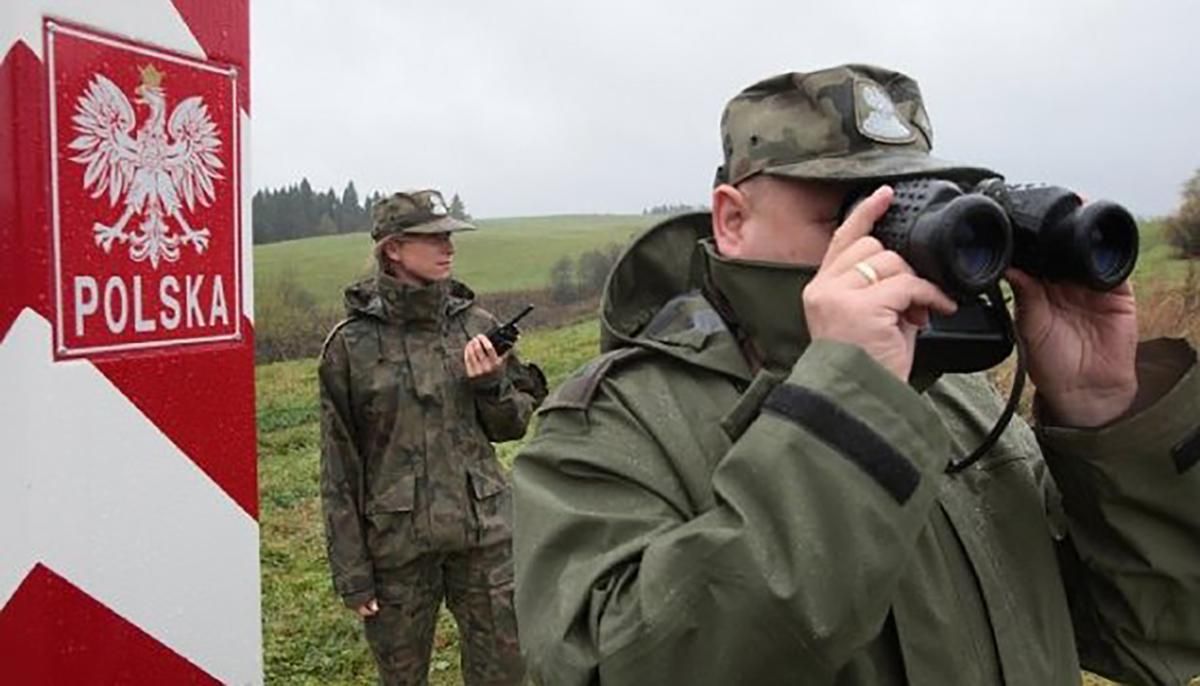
pixel 543 107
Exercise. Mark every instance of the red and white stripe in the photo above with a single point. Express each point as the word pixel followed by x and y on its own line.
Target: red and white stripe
pixel 128 485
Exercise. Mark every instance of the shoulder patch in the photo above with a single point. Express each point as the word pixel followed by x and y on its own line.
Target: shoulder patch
pixel 577 392
pixel 333 332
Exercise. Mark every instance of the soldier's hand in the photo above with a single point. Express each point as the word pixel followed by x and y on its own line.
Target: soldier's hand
pixel 368 609
pixel 867 296
pixel 481 359
pixel 1082 348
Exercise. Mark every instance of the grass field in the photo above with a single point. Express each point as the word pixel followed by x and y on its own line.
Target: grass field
pixel 505 254
pixel 1156 257
pixel 308 637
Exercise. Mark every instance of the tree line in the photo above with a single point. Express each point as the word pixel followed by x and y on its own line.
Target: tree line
pixel 572 280
pixel 298 211
pixel 673 208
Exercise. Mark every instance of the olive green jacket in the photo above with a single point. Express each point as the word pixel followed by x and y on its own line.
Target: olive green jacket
pixel 680 520
pixel 407 465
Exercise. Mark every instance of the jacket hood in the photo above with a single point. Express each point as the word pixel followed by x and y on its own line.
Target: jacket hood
pixel 657 297
pixel 654 299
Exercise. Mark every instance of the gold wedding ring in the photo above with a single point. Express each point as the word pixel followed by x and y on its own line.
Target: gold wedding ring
pixel 868 272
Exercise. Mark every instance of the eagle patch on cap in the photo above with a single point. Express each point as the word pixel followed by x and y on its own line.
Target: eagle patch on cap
pixel 877 116
pixel 437 206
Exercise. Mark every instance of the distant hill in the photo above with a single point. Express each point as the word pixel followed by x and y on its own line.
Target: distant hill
pixel 505 254
pixel 516 253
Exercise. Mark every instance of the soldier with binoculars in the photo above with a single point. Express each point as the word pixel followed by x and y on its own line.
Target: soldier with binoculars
pixel 780 471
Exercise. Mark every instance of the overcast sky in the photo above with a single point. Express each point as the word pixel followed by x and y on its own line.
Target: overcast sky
pixel 530 107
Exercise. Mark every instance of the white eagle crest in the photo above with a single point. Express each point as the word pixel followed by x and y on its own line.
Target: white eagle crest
pixel 167 163
pixel 437 206
pixel 882 121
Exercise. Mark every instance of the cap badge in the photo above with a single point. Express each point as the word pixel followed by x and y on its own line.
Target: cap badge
pixel 437 206
pixel 877 115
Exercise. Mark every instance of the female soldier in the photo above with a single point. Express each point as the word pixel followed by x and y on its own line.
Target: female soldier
pixel 416 507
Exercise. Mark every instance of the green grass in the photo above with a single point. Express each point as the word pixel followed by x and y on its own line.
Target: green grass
pixel 505 254
pixel 1157 260
pixel 309 638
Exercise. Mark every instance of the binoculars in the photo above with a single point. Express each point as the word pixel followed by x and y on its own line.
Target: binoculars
pixel 963 240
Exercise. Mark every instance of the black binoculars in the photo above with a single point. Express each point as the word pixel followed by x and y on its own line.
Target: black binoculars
pixel 963 240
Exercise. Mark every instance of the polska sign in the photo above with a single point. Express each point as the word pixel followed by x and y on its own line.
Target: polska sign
pixel 145 185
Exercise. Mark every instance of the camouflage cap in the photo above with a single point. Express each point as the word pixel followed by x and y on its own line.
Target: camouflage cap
pixel 850 123
pixel 412 212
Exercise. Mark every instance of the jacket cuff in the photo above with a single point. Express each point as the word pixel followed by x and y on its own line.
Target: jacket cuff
pixel 357 599
pixel 1163 423
pixel 491 387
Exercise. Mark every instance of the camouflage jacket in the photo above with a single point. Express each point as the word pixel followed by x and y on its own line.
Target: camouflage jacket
pixel 407 464
pixel 682 520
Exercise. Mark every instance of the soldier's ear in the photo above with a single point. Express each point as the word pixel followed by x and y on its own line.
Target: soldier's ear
pixel 730 211
pixel 392 251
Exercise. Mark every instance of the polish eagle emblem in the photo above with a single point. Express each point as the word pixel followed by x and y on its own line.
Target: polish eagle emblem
pixel 167 164
pixel 883 121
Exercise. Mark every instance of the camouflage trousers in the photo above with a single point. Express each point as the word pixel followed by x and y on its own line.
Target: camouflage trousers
pixel 477 586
